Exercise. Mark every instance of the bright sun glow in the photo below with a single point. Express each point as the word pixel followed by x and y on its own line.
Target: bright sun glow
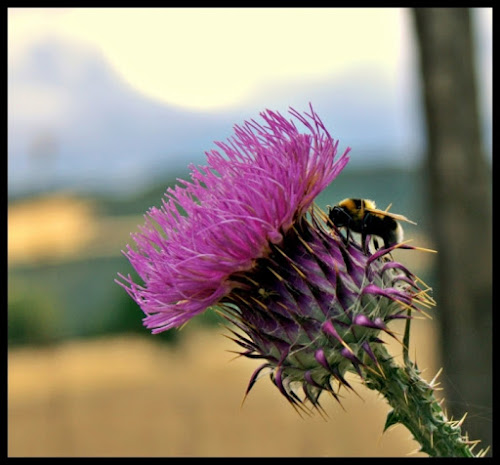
pixel 209 58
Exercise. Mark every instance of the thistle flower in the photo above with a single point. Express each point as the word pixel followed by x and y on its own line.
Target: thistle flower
pixel 244 236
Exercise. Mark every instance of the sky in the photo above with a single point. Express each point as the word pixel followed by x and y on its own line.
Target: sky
pixel 358 65
pixel 215 57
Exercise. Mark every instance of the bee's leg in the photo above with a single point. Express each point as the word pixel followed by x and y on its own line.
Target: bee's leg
pixel 375 243
pixel 364 227
pixel 386 246
pixel 364 245
pixel 347 235
pixel 345 239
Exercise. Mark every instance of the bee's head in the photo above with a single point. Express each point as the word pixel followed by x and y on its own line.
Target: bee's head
pixel 339 216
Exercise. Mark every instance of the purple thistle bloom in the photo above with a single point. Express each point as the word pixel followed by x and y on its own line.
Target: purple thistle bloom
pixel 235 208
pixel 244 235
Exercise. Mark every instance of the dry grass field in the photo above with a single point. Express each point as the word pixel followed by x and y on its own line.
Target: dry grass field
pixel 134 397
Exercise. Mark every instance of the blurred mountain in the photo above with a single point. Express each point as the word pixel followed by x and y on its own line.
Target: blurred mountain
pixel 73 123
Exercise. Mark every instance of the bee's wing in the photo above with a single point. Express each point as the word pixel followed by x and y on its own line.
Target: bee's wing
pixel 392 215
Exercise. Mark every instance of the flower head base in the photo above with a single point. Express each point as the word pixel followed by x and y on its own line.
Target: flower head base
pixel 244 235
pixel 314 308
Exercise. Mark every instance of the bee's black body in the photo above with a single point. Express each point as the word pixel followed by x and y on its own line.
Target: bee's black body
pixel 361 216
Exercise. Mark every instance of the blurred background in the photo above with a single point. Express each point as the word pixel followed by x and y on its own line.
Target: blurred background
pixel 106 109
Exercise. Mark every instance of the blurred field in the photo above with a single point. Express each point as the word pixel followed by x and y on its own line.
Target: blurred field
pixel 64 227
pixel 135 397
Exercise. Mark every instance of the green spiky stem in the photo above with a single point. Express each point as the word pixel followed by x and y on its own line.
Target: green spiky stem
pixel 415 406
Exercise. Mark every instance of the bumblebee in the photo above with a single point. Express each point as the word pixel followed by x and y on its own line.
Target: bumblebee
pixel 362 216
